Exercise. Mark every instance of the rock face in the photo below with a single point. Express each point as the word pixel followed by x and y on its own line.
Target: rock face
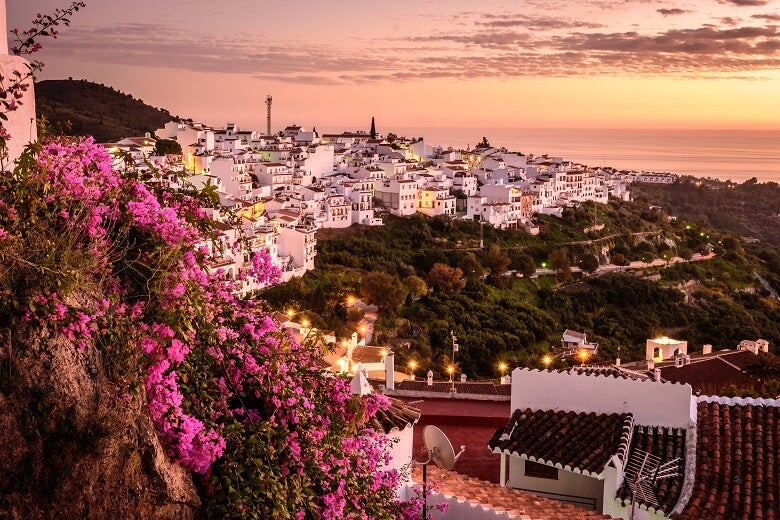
pixel 72 446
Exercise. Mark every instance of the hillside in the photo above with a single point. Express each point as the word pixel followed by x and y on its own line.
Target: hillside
pixel 515 320
pixel 80 107
pixel 750 209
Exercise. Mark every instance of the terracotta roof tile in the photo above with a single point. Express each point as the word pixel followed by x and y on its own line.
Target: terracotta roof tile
pixel 570 440
pixel 472 388
pixel 608 371
pixel 518 504
pixel 737 463
pixel 398 417
pixel 667 444
pixel 710 373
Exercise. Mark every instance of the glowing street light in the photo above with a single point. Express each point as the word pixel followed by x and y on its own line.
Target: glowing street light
pixel 350 300
pixel 383 353
pixel 450 371
pixel 290 313
pixel 502 367
pixel 412 366
pixel 546 360
pixel 583 356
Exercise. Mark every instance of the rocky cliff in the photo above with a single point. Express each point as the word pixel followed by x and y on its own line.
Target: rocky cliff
pixel 73 445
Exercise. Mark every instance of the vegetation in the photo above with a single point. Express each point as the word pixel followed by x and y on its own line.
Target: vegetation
pixel 80 107
pixel 106 264
pixel 517 319
pixel 749 209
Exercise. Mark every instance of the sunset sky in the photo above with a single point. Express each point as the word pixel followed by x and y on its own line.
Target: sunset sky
pixel 706 64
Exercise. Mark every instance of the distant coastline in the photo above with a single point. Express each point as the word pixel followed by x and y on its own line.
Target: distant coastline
pixel 737 155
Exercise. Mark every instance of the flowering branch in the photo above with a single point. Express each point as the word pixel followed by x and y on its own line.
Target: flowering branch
pixel 26 43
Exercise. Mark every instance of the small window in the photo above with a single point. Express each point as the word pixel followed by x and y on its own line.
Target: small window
pixel 534 469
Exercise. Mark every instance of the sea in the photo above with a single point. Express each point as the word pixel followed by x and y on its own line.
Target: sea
pixel 735 155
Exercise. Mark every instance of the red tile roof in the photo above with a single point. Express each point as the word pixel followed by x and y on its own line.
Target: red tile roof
pixel 398 417
pixel 737 463
pixel 709 373
pixel 667 444
pixel 568 440
pixel 472 388
pixel 518 504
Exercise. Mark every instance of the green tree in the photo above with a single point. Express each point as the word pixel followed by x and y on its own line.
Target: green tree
pixel 561 262
pixel 383 290
pixel 415 286
pixel 497 261
pixel 619 259
pixel 472 269
pixel 523 263
pixel 484 143
pixel 166 147
pixel 589 263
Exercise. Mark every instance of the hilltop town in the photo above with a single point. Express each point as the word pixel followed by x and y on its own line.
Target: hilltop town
pixel 288 185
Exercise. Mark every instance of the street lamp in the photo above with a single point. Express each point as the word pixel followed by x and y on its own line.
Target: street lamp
pixel 412 366
pixel 290 313
pixel 350 300
pixel 546 360
pixel 583 356
pixel 502 368
pixel 451 371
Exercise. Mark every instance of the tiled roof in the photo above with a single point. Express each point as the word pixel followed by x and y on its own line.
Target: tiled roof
pixel 365 354
pixel 579 442
pixel 398 417
pixel 711 372
pixel 667 444
pixel 610 371
pixel 473 388
pixel 737 463
pixel 518 504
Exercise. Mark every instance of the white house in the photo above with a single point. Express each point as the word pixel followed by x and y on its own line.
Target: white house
pixel 572 436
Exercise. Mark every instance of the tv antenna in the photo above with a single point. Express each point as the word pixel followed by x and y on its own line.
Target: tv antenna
pixel 439 451
pixel 643 471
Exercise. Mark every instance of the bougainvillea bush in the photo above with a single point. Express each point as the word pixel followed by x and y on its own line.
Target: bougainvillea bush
pixel 115 261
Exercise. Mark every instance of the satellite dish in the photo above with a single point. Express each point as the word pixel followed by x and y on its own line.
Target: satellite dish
pixel 440 448
pixel 439 451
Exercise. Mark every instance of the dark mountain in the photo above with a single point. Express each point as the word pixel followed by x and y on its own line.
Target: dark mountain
pixel 80 107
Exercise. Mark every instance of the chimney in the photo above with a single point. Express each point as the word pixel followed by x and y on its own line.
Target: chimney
pixel 463 378
pixel 706 349
pixel 657 374
pixel 617 362
pixel 430 378
pixel 390 371
pixel 650 364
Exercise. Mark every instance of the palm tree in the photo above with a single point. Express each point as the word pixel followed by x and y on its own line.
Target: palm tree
pixel 764 367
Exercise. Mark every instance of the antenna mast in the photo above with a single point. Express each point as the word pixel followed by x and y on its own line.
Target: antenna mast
pixel 268 100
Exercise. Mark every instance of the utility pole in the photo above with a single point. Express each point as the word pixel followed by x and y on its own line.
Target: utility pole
pixel 454 346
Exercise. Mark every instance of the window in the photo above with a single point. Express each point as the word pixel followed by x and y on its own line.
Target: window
pixel 534 469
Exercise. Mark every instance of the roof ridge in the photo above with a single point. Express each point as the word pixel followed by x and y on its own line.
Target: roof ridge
pixel 738 401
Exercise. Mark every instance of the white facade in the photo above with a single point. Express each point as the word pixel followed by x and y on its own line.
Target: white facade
pixel 399 196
